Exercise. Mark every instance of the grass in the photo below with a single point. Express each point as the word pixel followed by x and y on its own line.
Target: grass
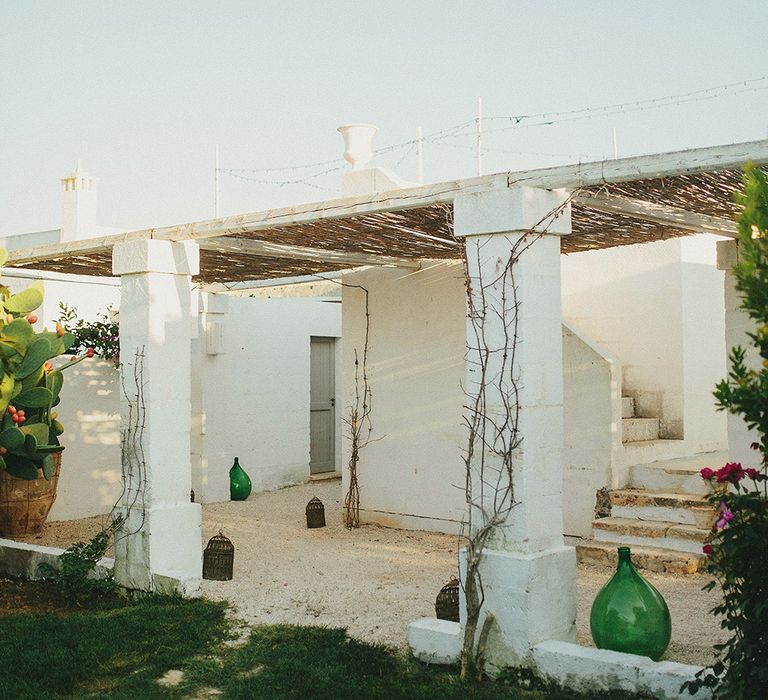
pixel 120 650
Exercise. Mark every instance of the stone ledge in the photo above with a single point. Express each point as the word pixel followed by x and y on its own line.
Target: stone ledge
pixel 588 670
pixel 435 641
pixel 23 560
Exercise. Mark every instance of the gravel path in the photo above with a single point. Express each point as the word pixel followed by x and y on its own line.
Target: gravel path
pixel 374 580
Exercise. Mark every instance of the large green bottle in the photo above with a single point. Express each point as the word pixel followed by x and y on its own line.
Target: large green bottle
pixel 239 482
pixel 629 614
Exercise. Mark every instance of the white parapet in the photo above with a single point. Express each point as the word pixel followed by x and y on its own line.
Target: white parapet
pixel 590 670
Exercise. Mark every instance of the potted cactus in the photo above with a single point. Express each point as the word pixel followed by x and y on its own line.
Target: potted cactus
pixel 30 453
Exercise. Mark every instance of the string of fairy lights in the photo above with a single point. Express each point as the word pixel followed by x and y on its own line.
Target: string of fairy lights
pixel 456 135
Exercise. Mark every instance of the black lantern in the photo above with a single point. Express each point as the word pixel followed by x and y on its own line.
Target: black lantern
pixel 447 602
pixel 315 513
pixel 218 558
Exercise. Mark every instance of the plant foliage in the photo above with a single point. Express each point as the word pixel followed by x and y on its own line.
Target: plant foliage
pixel 739 549
pixel 102 335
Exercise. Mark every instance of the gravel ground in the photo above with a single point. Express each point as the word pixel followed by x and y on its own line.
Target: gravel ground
pixel 374 580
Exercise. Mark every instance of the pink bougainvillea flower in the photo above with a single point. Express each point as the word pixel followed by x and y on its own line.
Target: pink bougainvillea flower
pixel 731 472
pixel 707 473
pixel 725 515
pixel 707 549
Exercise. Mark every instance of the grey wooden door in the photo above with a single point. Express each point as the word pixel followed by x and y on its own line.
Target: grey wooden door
pixel 322 409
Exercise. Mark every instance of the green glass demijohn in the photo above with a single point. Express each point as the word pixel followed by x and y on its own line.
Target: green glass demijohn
pixel 629 614
pixel 239 482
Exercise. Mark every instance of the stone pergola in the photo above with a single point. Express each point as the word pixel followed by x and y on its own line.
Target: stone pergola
pixel 597 205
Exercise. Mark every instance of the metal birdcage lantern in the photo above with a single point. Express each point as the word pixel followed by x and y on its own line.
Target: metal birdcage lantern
pixel 447 602
pixel 218 558
pixel 315 513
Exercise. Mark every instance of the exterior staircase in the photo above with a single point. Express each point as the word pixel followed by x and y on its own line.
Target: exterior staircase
pixel 661 514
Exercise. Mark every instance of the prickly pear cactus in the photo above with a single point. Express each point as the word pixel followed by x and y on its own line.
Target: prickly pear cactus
pixel 29 386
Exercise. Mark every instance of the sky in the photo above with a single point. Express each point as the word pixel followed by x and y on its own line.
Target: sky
pixel 143 92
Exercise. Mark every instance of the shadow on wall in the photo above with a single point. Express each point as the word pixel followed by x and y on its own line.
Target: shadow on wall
pixel 90 479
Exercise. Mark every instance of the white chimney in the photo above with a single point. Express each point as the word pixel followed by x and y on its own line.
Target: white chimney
pixel 78 205
pixel 358 152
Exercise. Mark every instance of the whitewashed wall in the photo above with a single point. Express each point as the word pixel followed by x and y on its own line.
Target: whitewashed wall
pixel 90 480
pixel 658 309
pixel 592 412
pixel 252 398
pixel 411 473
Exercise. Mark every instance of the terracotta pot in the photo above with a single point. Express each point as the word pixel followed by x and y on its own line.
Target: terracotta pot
pixel 24 505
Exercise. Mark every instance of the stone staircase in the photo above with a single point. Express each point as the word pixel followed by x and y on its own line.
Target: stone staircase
pixel 661 515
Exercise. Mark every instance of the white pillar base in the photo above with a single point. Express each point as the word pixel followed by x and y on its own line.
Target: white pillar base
pixel 165 556
pixel 532 597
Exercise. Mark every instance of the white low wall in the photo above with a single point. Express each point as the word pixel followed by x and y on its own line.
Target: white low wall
pixel 251 390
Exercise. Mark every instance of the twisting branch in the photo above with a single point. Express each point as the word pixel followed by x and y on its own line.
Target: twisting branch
pixel 359 423
pixel 133 460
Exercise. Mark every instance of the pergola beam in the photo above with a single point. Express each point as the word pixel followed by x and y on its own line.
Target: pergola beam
pixel 657 213
pixel 229 244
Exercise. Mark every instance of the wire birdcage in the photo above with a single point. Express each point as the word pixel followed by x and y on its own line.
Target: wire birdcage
pixel 447 602
pixel 315 513
pixel 218 558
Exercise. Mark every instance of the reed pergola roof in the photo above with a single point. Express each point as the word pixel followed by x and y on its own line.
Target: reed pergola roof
pixel 617 202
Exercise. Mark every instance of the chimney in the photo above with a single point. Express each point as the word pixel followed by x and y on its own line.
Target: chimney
pixel 358 151
pixel 78 205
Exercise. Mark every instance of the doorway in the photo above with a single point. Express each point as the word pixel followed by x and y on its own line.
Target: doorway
pixel 322 406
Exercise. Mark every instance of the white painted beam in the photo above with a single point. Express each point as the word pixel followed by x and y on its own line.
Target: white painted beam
pixel 657 213
pixel 228 244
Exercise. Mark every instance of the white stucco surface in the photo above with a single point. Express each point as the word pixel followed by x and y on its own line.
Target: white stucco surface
pixel 657 308
pixel 251 390
pixel 411 472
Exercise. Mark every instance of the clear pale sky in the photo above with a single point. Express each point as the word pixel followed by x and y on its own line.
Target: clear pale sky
pixel 142 91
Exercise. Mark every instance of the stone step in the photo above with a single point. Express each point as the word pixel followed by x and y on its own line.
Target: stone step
pixel 639 429
pixel 627 407
pixel 648 533
pixel 647 558
pixel 676 475
pixel 681 508
pixel 653 451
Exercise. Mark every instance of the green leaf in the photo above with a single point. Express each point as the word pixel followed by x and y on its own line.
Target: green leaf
pixel 11 438
pixel 30 444
pixel 7 384
pixel 37 397
pixel 19 333
pixel 37 430
pixel 21 467
pixel 2 464
pixel 54 381
pixel 38 352
pixel 27 300
pixel 48 467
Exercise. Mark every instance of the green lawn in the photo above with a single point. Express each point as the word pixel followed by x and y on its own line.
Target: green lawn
pixel 121 651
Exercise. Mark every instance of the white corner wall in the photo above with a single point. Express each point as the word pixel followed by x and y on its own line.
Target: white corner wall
pixel 657 308
pixel 592 415
pixel 251 400
pixel 628 300
pixel 411 473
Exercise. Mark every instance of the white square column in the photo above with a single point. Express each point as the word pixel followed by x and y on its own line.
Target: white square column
pixel 528 574
pixel 737 325
pixel 159 546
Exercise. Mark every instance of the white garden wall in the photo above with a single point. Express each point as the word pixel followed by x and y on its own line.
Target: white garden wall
pixel 251 367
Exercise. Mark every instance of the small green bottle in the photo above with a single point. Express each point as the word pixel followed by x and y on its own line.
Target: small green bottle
pixel 629 614
pixel 239 482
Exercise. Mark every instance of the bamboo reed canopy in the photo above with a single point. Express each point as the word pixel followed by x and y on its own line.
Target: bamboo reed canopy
pixel 613 203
